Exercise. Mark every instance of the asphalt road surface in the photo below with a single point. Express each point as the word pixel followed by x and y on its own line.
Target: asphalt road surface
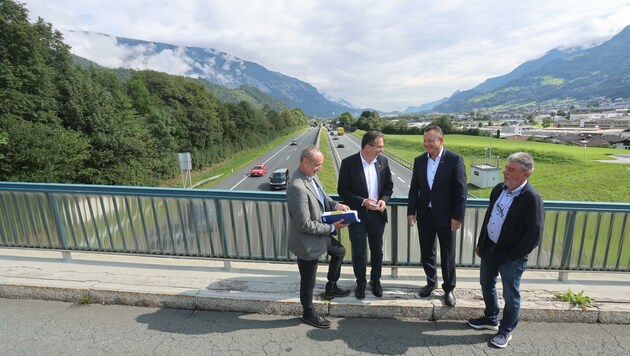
pixel 36 327
pixel 281 156
pixel 287 156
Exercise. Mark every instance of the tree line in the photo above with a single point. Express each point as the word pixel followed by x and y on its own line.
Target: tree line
pixel 61 122
pixel 371 120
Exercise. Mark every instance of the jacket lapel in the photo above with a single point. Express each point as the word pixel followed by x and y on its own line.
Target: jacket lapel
pixel 311 189
pixel 359 168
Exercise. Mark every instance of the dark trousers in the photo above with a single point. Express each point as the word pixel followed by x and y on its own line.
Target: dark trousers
pixel 428 229
pixel 308 273
pixel 370 228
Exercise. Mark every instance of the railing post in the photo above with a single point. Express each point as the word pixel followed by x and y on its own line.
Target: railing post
pixel 63 239
pixel 565 261
pixel 394 219
pixel 66 255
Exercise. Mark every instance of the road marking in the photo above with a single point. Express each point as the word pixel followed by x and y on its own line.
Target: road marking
pixel 400 180
pixel 265 162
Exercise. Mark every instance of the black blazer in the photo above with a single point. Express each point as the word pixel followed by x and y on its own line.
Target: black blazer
pixel 523 226
pixel 449 193
pixel 352 185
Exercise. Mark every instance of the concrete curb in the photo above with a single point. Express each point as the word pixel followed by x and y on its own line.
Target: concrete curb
pixel 431 309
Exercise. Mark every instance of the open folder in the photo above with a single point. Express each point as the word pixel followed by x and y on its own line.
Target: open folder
pixel 348 217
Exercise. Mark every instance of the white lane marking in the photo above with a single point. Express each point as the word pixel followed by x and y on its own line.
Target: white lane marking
pixel 265 162
pixel 401 180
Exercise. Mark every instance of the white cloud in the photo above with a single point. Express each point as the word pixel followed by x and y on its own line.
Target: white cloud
pixel 380 54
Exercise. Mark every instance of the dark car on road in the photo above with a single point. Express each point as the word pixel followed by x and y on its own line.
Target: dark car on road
pixel 279 179
pixel 340 145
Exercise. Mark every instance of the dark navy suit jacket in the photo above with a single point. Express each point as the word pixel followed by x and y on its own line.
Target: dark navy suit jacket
pixel 449 193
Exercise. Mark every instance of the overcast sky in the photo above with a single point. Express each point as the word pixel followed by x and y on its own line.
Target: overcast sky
pixel 385 55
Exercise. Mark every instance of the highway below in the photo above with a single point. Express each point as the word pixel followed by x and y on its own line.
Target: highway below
pixel 287 156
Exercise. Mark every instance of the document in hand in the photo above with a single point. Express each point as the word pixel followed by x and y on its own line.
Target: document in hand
pixel 348 217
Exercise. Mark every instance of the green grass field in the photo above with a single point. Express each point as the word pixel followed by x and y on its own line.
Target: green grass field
pixel 562 172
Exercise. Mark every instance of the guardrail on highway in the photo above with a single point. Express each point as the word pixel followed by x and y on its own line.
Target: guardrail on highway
pixel 253 225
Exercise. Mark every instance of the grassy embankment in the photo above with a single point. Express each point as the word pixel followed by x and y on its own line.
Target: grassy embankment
pixel 224 169
pixel 563 172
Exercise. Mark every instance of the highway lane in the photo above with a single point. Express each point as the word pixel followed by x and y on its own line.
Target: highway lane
pixel 401 175
pixel 282 156
pixel 287 156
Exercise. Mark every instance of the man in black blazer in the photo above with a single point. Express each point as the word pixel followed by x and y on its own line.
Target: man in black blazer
pixel 365 185
pixel 511 229
pixel 437 200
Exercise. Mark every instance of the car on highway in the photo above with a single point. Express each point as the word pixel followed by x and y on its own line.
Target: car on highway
pixel 335 138
pixel 259 170
pixel 293 143
pixel 340 145
pixel 279 179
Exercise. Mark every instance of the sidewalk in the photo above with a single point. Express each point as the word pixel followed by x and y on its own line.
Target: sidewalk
pixel 273 288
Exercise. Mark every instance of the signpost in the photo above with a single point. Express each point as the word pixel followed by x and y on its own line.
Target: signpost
pixel 185 166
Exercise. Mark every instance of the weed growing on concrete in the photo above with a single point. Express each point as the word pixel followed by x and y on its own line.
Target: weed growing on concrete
pixel 581 300
pixel 86 299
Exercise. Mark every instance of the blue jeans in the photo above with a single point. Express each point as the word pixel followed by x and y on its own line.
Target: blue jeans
pixel 511 272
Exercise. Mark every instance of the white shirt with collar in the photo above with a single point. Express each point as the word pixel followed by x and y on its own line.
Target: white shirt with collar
pixel 371 178
pixel 432 166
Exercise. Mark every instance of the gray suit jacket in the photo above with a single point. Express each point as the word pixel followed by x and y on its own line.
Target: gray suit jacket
pixel 307 233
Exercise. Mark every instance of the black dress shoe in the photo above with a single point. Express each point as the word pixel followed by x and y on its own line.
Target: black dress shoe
pixel 426 290
pixel 360 291
pixel 317 321
pixel 333 291
pixel 377 290
pixel 449 299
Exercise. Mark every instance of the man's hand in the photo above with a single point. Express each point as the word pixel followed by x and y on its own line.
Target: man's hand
pixel 342 207
pixel 411 219
pixel 478 251
pixel 339 224
pixel 381 205
pixel 455 224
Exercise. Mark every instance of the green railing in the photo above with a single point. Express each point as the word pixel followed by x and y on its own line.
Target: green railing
pixel 253 226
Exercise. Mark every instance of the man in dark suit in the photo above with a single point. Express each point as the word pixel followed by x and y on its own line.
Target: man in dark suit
pixel 511 229
pixel 365 185
pixel 309 237
pixel 437 200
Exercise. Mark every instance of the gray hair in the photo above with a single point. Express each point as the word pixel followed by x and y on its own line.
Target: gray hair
pixel 309 152
pixel 524 159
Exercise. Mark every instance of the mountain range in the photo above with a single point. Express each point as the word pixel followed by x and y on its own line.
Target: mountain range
pixel 225 70
pixel 560 75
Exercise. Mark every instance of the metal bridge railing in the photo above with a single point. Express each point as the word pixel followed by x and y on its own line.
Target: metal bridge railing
pixel 254 225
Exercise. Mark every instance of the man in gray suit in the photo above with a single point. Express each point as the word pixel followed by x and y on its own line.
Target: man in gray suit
pixel 309 237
